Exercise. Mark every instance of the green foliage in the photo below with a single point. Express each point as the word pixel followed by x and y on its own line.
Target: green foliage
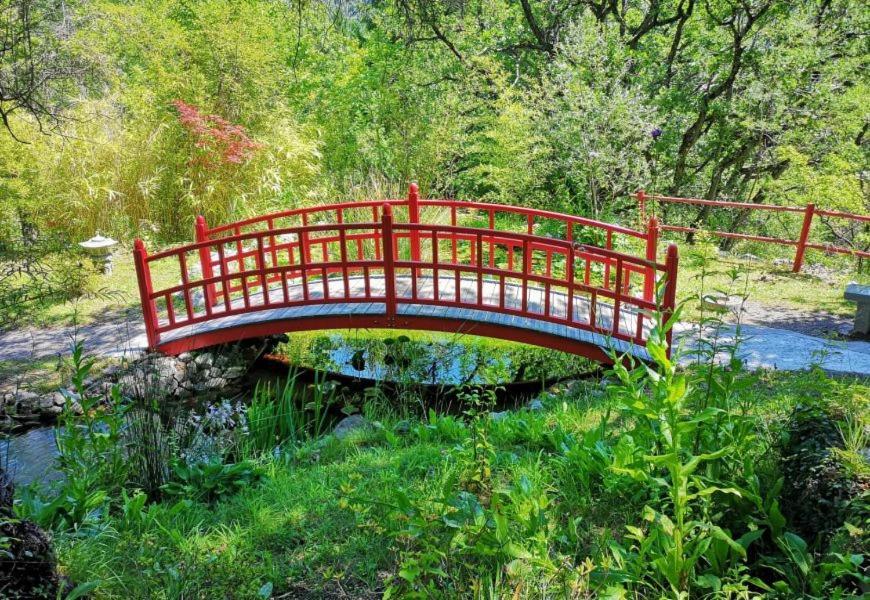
pixel 551 104
pixel 38 273
pixel 574 501
pixel 290 414
pixel 210 481
pixel 91 455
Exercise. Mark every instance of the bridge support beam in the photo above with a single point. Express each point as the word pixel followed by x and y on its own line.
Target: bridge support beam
pixel 201 232
pixel 670 296
pixel 652 242
pixel 389 263
pixel 143 274
pixel 414 218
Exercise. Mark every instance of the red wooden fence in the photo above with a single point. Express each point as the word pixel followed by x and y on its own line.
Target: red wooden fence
pixel 801 244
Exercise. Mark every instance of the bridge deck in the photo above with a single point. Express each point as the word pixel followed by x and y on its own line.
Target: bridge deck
pixel 353 302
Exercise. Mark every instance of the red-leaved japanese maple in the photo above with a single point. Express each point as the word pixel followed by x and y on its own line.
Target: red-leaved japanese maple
pixel 219 141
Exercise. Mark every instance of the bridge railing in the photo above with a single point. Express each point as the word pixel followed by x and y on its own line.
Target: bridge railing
pixel 261 264
pixel 446 211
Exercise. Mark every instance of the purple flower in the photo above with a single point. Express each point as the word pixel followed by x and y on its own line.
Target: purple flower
pixel 655 133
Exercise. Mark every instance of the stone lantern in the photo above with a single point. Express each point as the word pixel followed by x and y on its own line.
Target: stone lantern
pixel 100 250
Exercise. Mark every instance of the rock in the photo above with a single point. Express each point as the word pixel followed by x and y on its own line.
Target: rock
pixel 498 416
pixel 349 425
pixel 402 427
pixel 215 383
pixel 185 357
pixel 50 401
pixel 204 360
pixel 24 396
pixel 535 405
pixel 782 262
pixel 749 257
pixel 716 302
pixel 234 372
pixel 182 392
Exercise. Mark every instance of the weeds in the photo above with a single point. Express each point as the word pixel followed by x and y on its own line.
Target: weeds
pixel 290 414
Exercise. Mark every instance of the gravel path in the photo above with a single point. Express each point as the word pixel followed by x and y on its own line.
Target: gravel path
pixel 115 336
pixel 774 348
pixel 785 347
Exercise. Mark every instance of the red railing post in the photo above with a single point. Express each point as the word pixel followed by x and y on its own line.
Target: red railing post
pixel 809 212
pixel 201 230
pixel 143 275
pixel 414 218
pixel 641 204
pixel 669 302
pixel 389 264
pixel 652 242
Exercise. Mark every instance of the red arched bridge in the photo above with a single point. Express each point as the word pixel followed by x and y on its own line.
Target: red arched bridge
pixel 410 264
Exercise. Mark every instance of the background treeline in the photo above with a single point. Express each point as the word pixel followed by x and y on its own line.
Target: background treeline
pixel 565 104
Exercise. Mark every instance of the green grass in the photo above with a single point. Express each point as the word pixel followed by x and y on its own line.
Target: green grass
pixel 768 284
pixel 39 375
pixel 318 526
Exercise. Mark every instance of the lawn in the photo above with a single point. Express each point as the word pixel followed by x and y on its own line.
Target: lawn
pixel 535 504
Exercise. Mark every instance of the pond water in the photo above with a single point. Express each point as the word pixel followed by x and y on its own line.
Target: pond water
pixel 29 457
pixel 433 362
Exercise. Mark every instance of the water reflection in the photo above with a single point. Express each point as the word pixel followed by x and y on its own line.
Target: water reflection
pixel 29 457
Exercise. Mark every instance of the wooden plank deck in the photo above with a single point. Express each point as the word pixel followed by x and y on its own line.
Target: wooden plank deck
pixel 352 302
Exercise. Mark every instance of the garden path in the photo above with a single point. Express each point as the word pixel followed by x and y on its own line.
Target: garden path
pixel 762 347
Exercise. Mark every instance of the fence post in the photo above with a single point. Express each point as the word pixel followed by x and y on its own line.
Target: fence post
pixel 414 217
pixel 652 243
pixel 201 230
pixel 641 204
pixel 669 302
pixel 809 212
pixel 389 266
pixel 143 275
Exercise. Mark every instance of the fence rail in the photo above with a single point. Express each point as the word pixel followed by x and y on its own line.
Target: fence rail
pixel 801 244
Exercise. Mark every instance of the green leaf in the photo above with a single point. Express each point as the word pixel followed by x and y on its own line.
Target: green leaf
pixel 82 589
pixel 721 535
pixel 517 551
pixel 775 518
pixel 658 353
pixel 710 582
pixel 747 538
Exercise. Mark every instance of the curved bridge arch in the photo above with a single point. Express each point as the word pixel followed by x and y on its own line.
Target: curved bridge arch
pixel 360 265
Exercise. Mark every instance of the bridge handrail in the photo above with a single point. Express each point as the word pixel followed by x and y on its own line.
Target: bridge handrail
pixel 413 200
pixel 413 203
pixel 230 292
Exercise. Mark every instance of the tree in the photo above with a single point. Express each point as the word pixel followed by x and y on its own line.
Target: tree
pixel 35 70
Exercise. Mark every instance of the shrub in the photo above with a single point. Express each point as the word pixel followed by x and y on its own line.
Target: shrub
pixel 817 489
pixel 212 480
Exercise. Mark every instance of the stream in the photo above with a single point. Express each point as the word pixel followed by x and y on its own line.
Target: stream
pixel 437 369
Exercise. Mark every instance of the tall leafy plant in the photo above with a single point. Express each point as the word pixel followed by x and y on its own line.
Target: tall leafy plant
pixel 679 530
pixel 288 414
